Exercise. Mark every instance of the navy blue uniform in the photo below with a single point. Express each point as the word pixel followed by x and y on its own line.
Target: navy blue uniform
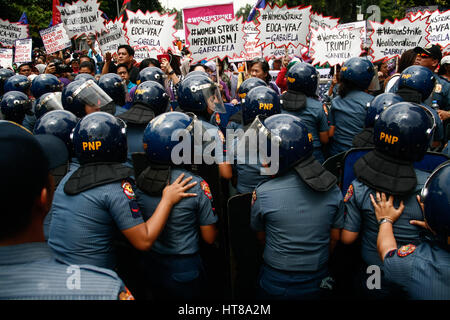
pixel 422 271
pixel 347 115
pixel 441 93
pixel 174 264
pixel 297 222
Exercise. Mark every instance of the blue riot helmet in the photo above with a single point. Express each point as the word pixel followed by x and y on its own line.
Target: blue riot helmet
pixel 5 74
pixel 151 73
pixel 44 83
pixel 158 142
pixel 100 137
pixel 15 105
pixel 260 101
pixel 419 79
pixel 404 131
pixel 82 98
pixel 152 95
pixel 200 94
pixel 114 86
pixel 436 198
pixel 17 82
pixel 378 105
pixel 358 71
pixel 197 73
pixel 303 77
pixel 248 85
pixel 59 123
pixel 47 102
pixel 70 102
pixel 84 77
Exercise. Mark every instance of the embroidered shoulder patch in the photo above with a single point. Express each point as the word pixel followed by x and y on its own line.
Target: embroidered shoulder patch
pixel 217 118
pixel 126 295
pixel 128 190
pixel 205 187
pixel 438 88
pixel 406 250
pixel 349 193
pixel 254 197
pixel 325 109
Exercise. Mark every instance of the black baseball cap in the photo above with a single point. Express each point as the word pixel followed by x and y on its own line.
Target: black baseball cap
pixel 432 50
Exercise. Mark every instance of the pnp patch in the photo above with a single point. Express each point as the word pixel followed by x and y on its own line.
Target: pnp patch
pixel 206 190
pixel 128 190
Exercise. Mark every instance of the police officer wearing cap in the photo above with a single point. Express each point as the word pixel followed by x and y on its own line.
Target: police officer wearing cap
pixel 401 136
pixel 348 109
pixel 28 267
pixel 299 213
pixel 374 108
pixel 423 270
pixel 94 201
pixel 173 267
pixel 116 89
pixel 301 100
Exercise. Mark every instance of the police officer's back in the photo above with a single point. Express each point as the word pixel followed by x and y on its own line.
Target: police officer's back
pixel 116 88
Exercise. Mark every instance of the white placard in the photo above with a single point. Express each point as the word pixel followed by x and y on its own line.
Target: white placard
pixel 318 20
pixel 113 37
pixel 55 38
pixel 439 28
pixel 23 51
pixel 251 49
pixel 6 57
pixel 272 51
pixel 12 31
pixel 144 53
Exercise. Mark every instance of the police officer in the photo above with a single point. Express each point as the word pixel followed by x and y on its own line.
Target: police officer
pixel 299 214
pixel 150 100
pixel 401 136
pixel 151 73
pixel 84 77
pixel 5 74
pixel 15 105
pixel 28 267
pixel 421 270
pixel 301 100
pixel 416 84
pixel 174 267
pixel 348 109
pixel 44 83
pixel 259 101
pixel 95 200
pixel 374 109
pixel 18 82
pixel 48 102
pixel 116 89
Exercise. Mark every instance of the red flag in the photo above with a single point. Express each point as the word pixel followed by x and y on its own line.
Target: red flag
pixel 56 14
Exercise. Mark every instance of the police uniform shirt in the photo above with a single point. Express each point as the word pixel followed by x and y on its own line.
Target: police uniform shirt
pixel 297 221
pixel 181 232
pixel 315 119
pixel 30 271
pixel 347 115
pixel 422 271
pixel 83 225
pixel 441 93
pixel 360 217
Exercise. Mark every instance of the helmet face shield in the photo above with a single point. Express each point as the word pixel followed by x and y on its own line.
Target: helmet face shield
pixel 53 101
pixel 212 97
pixel 92 95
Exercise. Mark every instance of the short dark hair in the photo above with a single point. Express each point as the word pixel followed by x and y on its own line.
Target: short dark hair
pixel 25 64
pixel 123 65
pixel 147 62
pixel 87 64
pixel 127 47
pixel 264 66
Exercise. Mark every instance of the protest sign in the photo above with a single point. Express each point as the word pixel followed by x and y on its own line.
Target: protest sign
pixel 6 57
pixel 251 50
pixel 272 51
pixel 23 51
pixel 284 26
pixel 318 20
pixel 439 28
pixel 82 17
pixel 207 13
pixel 361 25
pixel 144 53
pixel 391 39
pixel 150 30
pixel 12 31
pixel 334 46
pixel 216 39
pixel 55 38
pixel 114 36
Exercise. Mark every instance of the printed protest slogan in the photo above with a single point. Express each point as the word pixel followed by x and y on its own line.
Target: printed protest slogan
pixel 282 26
pixel 439 28
pixel 12 31
pixel 334 46
pixel 82 18
pixel 150 30
pixel 144 53
pixel 318 20
pixel 55 38
pixel 391 39
pixel 272 51
pixel 219 39
pixel 6 57
pixel 113 37
pixel 23 51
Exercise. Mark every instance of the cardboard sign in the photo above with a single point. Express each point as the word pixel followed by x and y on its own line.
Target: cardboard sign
pixel 6 58
pixel 12 31
pixel 283 27
pixel 55 38
pixel 150 30
pixel 195 15
pixel 439 28
pixel 251 50
pixel 23 51
pixel 217 39
pixel 391 39
pixel 272 51
pixel 112 37
pixel 334 46
pixel 82 17
pixel 318 20
pixel 144 53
